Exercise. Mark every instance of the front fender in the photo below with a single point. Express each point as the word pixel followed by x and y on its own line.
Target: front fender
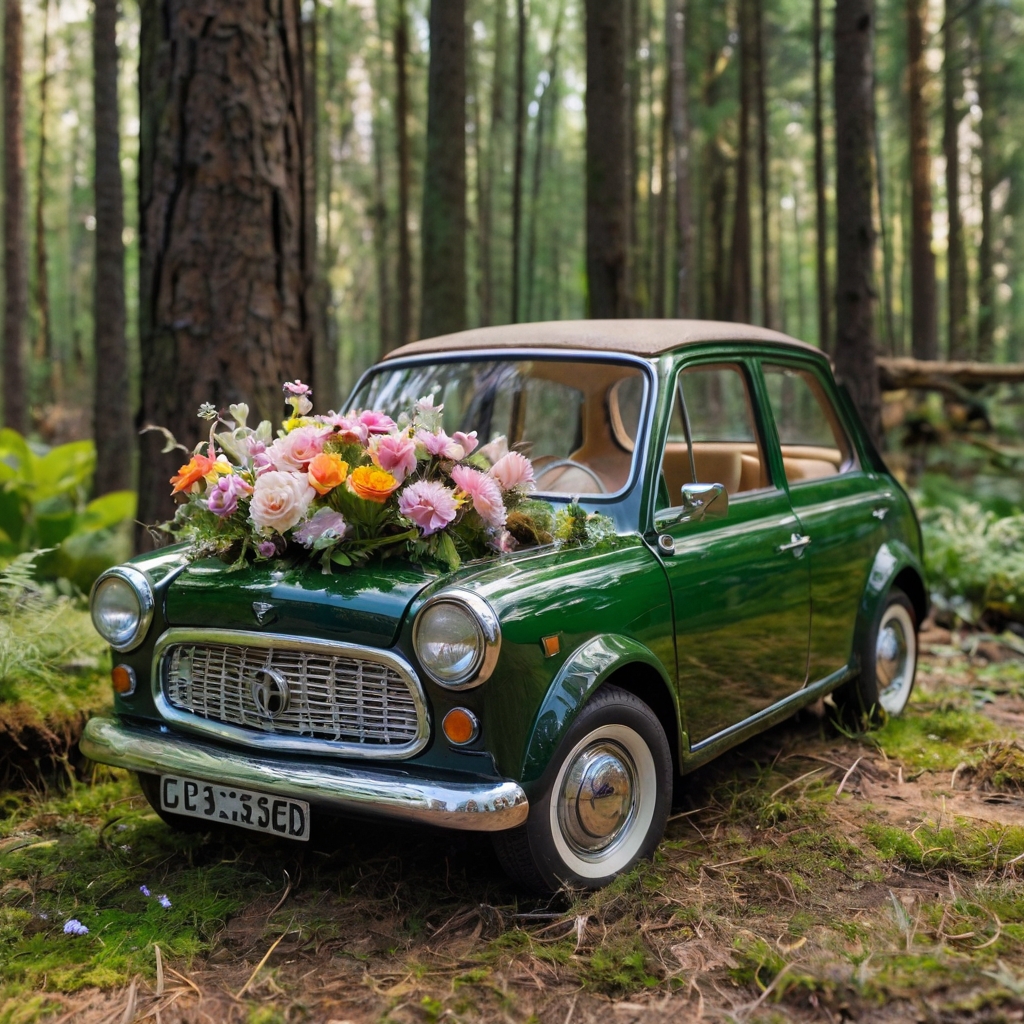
pixel 583 672
pixel 893 558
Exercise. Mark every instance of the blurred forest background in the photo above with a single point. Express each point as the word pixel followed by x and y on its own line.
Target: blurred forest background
pixel 204 198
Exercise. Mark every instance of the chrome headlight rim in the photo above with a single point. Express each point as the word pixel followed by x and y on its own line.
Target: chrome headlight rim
pixel 488 629
pixel 143 590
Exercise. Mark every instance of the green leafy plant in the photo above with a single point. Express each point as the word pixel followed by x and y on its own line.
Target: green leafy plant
pixel 44 505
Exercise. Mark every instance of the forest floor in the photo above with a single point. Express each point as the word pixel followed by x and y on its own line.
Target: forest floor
pixel 805 876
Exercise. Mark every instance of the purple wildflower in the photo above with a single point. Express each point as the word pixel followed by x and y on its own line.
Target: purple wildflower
pixel 75 927
pixel 222 500
pixel 144 889
pixel 164 902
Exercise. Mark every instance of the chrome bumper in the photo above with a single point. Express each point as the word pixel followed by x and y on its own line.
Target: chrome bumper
pixel 381 792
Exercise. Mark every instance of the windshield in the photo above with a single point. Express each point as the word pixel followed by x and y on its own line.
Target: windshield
pixel 577 420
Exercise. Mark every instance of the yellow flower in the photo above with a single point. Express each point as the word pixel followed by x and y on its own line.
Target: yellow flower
pixel 372 484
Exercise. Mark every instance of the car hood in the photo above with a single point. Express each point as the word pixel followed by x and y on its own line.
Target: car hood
pixel 354 605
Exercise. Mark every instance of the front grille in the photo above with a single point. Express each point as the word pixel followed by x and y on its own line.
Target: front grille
pixel 294 691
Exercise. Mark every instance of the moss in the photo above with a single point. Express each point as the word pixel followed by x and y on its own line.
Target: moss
pixel 937 741
pixel 964 847
pixel 620 967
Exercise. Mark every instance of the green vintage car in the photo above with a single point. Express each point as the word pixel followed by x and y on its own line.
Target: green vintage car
pixel 763 557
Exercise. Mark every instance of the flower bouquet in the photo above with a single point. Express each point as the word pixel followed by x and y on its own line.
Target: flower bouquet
pixel 344 487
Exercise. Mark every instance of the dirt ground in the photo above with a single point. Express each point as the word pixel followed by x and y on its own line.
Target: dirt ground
pixel 807 876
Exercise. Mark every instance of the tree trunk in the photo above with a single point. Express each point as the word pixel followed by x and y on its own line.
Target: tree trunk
pixel 956 272
pixel 15 385
pixel 112 427
pixel 664 171
pixel 519 155
pixel 607 163
pixel 385 338
pixel 767 306
pixel 741 284
pixel 443 293
pixel 404 175
pixel 686 277
pixel 636 299
pixel 821 205
pixel 495 155
pixel 44 341
pixel 986 133
pixel 223 269
pixel 856 343
pixel 924 303
pixel 546 111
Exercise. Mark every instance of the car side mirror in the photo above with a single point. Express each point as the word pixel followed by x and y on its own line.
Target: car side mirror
pixel 705 501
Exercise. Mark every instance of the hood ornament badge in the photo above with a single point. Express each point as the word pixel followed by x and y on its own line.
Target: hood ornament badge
pixel 264 612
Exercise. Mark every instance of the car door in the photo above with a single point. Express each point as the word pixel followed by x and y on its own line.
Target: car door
pixel 739 583
pixel 841 505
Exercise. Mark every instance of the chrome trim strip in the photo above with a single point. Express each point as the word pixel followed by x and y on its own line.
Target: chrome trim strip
pixel 139 582
pixel 483 806
pixel 269 742
pixel 490 636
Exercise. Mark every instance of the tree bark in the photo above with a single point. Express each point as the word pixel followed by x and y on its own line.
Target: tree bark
pixel 380 207
pixel 986 155
pixel 15 385
pixel 443 294
pixel 821 204
pixel 223 269
pixel 519 156
pixel 112 428
pixel 767 305
pixel 856 341
pixel 924 303
pixel 607 164
pixel 686 277
pixel 405 295
pixel 44 341
pixel 956 272
pixel 495 155
pixel 740 281
pixel 664 172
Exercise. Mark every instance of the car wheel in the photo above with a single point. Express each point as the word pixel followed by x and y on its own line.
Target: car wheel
pixel 150 786
pixel 888 666
pixel 604 803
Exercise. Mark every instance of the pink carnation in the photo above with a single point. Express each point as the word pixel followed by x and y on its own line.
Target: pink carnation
pixel 441 445
pixel 513 470
pixel 483 492
pixel 394 453
pixel 429 504
pixel 376 422
pixel 295 451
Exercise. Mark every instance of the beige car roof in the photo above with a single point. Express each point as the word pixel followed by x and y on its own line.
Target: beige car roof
pixel 637 337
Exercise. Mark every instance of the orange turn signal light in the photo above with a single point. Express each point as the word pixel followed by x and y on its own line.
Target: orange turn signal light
pixel 123 679
pixel 551 645
pixel 460 726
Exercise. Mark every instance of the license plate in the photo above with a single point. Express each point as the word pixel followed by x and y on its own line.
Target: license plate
pixel 230 805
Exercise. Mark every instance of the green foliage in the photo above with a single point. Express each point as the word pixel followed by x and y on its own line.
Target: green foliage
pixel 935 741
pixel 620 967
pixel 975 560
pixel 964 846
pixel 43 505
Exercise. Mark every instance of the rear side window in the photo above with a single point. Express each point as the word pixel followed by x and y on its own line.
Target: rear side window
pixel 813 441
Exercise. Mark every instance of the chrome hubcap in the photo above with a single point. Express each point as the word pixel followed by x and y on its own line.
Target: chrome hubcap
pixel 895 656
pixel 598 800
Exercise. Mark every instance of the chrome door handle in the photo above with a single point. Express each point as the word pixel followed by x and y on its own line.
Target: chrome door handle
pixel 796 545
pixel 880 513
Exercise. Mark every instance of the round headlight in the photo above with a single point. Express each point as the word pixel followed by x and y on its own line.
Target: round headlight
pixel 457 637
pixel 122 607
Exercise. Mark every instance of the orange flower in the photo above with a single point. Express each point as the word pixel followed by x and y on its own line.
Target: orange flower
pixel 372 484
pixel 326 471
pixel 191 474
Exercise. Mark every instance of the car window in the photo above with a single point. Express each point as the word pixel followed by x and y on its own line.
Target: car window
pixel 577 419
pixel 726 446
pixel 811 435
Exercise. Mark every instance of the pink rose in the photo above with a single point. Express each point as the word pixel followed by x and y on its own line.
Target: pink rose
pixel 394 453
pixel 350 430
pixel 429 504
pixel 279 501
pixel 483 491
pixel 376 422
pixel 295 451
pixel 513 470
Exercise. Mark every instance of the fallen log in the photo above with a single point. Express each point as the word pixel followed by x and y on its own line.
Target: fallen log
pixel 903 373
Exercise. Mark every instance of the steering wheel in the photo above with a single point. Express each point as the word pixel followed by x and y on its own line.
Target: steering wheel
pixel 572 464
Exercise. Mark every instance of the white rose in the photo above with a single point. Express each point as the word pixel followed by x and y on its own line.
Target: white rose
pixel 280 500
